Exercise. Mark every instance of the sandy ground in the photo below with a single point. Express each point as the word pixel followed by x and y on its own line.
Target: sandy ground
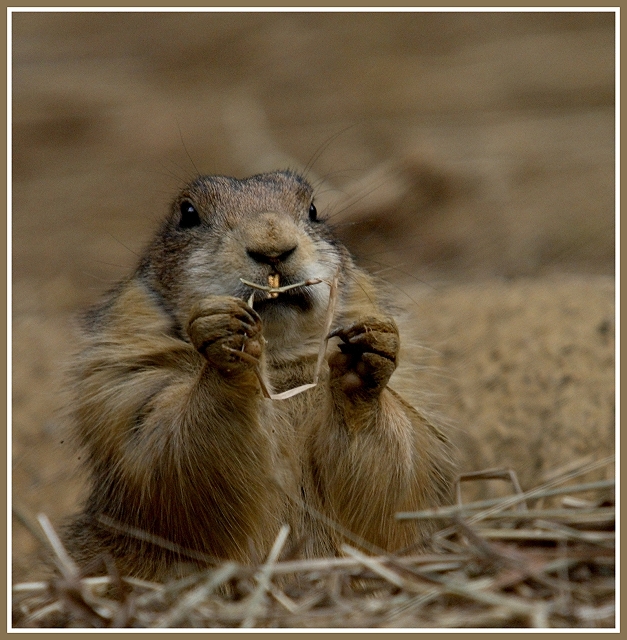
pixel 466 158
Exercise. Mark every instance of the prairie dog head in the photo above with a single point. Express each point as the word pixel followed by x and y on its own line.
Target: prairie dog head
pixel 265 230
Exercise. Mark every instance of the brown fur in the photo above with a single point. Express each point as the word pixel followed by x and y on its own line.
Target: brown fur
pixel 182 445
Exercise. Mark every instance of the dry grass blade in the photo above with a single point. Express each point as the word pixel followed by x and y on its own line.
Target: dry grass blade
pixel 73 593
pixel 272 289
pixel 292 392
pixel 603 538
pixel 140 534
pixel 25 517
pixel 478 590
pixel 263 578
pixel 66 565
pixel 264 389
pixel 491 474
pixel 376 566
pixel 469 508
pixel 600 514
pixel 536 493
pixel 333 293
pixel 177 615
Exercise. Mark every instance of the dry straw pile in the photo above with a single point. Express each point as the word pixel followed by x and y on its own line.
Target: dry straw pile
pixel 543 558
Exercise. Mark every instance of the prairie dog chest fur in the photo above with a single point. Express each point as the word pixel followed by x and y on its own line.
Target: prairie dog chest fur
pixel 181 442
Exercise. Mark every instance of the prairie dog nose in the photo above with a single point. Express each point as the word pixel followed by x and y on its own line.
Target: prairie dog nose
pixel 270 257
pixel 271 239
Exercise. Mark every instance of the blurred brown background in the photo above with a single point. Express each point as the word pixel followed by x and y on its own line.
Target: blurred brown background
pixel 466 157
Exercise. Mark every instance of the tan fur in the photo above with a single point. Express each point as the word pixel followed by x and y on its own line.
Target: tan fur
pixel 181 444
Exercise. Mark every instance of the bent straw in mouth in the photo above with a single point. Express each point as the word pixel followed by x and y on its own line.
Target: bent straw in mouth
pixel 277 290
pixel 333 287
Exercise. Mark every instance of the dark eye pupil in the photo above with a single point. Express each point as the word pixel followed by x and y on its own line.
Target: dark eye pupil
pixel 313 212
pixel 189 215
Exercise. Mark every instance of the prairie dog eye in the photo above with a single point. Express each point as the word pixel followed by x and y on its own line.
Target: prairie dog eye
pixel 313 212
pixel 189 216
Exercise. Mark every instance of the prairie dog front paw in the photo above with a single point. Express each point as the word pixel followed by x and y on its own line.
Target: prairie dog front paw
pixel 227 332
pixel 367 357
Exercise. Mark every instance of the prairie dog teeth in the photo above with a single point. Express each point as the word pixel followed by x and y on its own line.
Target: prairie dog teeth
pixel 274 282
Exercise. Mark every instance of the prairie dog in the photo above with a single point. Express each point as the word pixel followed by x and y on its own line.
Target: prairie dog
pixel 181 443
